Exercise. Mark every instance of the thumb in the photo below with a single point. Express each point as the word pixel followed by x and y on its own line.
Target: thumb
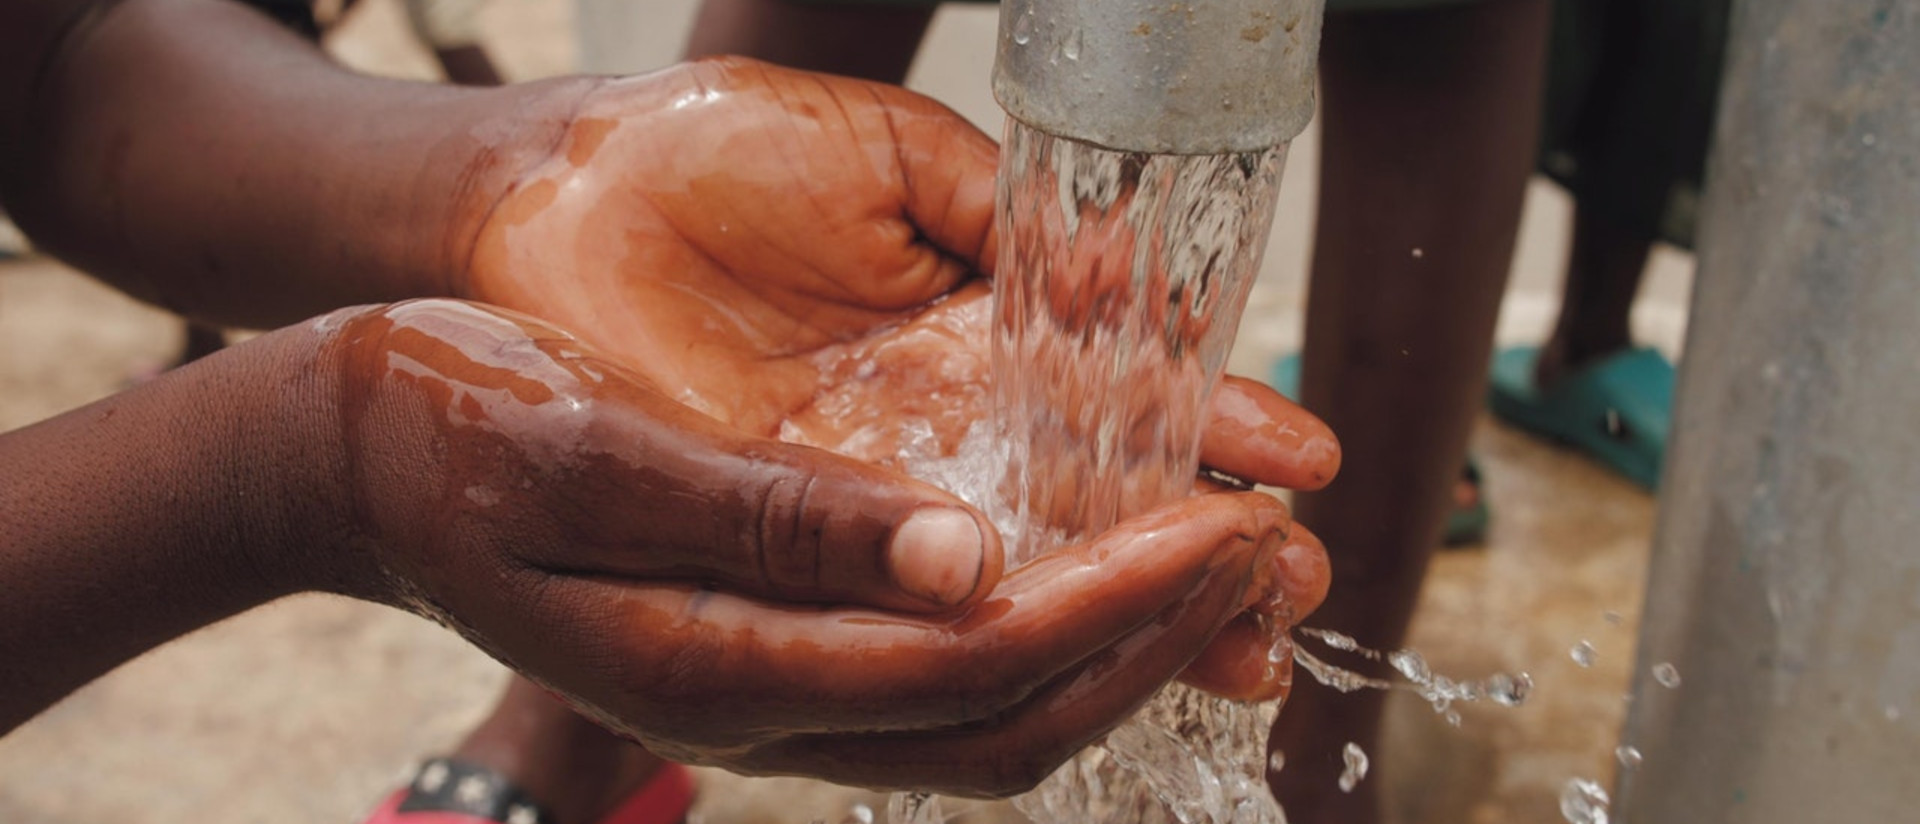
pixel 704 502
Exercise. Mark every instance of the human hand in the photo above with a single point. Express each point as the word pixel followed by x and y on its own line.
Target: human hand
pixel 701 589
pixel 791 254
pixel 725 225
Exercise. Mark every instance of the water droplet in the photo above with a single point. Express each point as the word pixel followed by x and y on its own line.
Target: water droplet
pixel 1629 757
pixel 1277 761
pixel 860 814
pixel 1510 690
pixel 1419 252
pixel 1340 641
pixel 1336 640
pixel 1583 802
pixel 1071 48
pixel 1582 653
pixel 1281 651
pixel 1411 665
pixel 1664 673
pixel 1356 761
pixel 1453 718
pixel 915 808
pixel 1335 677
pixel 1023 29
pixel 1612 617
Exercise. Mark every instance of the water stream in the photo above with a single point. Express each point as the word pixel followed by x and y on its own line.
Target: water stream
pixel 1120 285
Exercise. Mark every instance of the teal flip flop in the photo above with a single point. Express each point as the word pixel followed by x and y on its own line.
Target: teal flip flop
pixel 1617 410
pixel 1466 525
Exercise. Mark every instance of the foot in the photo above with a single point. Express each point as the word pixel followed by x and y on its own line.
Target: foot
pixel 1560 356
pixel 577 771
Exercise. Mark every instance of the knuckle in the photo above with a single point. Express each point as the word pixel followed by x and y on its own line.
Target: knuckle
pixel 786 542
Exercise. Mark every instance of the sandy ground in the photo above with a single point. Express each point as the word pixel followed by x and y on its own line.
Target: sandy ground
pixel 310 709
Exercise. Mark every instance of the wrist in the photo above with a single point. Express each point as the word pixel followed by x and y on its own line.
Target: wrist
pixel 165 508
pixel 505 136
pixel 315 530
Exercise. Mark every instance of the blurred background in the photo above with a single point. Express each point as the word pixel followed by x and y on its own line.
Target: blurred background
pixel 312 709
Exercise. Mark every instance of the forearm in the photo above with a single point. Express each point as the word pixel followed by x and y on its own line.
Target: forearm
pixel 196 155
pixel 134 520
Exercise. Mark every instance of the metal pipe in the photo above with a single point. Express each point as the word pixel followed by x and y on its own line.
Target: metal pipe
pixel 1785 583
pixel 1160 76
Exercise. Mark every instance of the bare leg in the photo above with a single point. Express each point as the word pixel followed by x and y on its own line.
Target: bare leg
pixel 1646 129
pixel 575 769
pixel 1431 121
pixel 1603 274
pixel 467 66
pixel 202 340
pixel 876 42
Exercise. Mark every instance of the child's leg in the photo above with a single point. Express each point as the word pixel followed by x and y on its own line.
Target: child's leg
pixel 1431 120
pixel 1604 268
pixel 875 41
pixel 575 769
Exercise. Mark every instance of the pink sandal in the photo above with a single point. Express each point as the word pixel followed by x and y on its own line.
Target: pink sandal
pixel 445 791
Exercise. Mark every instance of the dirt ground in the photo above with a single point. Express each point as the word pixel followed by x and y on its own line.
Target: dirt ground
pixel 309 710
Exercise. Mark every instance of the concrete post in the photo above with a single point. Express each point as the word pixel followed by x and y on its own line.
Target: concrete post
pixel 1785 584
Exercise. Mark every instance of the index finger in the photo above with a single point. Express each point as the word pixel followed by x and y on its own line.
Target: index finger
pixel 1257 434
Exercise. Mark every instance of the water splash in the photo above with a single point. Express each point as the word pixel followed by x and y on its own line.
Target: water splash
pixel 1023 28
pixel 1355 761
pixel 915 808
pixel 1120 285
pixel 1331 676
pixel 1583 653
pixel 1509 690
pixel 1411 665
pixel 1628 756
pixel 1666 675
pixel 1442 692
pixel 1583 802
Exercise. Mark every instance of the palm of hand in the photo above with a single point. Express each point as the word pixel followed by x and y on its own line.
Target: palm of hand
pixel 763 246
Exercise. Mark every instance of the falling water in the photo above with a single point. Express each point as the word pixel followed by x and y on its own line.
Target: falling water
pixel 1120 284
pixel 1440 691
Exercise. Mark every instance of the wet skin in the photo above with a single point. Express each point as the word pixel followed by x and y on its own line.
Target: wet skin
pixel 575 510
pixel 608 514
pixel 797 256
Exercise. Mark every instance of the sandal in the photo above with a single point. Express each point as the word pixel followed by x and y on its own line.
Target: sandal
pixel 1617 409
pixel 1467 521
pixel 445 791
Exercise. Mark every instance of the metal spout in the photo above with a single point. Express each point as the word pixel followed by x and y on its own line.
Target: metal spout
pixel 1193 77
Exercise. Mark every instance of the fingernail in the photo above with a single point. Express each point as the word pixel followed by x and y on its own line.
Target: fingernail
pixel 936 555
